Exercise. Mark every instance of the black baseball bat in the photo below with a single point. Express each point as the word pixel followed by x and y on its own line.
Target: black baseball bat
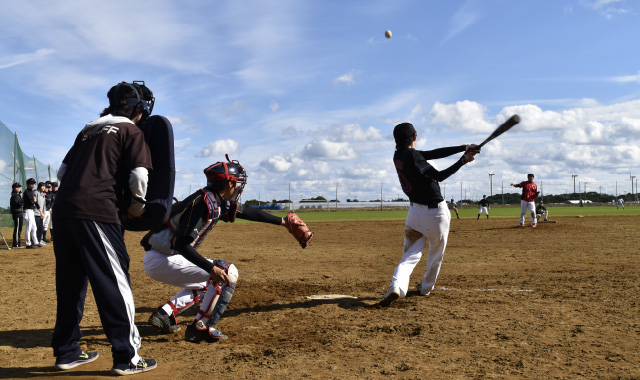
pixel 502 128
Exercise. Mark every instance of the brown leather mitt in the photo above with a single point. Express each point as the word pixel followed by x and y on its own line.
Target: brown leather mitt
pixel 298 229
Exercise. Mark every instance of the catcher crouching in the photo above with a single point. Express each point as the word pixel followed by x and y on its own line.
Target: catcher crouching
pixel 171 251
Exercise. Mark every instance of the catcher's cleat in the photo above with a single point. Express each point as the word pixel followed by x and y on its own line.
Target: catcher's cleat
pixel 83 358
pixel 389 298
pixel 166 323
pixel 209 335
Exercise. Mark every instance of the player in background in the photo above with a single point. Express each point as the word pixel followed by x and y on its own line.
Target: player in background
pixel 620 203
pixel 528 199
pixel 428 218
pixel 452 206
pixel 484 206
pixel 613 202
pixel 17 212
pixel 171 252
pixel 541 211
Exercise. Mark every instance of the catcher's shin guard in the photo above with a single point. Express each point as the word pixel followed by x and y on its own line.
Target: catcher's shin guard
pixel 217 297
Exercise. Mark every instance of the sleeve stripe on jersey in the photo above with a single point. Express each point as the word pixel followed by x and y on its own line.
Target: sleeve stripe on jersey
pixel 425 168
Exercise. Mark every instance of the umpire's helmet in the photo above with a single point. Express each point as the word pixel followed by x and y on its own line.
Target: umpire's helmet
pixel 230 171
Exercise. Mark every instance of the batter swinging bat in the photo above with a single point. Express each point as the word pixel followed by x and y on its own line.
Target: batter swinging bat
pixel 513 120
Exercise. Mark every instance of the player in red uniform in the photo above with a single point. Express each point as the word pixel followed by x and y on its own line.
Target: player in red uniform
pixel 528 199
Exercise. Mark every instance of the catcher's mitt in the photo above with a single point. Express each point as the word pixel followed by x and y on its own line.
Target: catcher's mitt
pixel 298 229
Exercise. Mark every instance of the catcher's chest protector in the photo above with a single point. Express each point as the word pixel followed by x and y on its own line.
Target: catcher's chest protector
pixel 158 133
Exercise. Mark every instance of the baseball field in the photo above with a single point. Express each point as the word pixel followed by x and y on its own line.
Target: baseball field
pixel 559 301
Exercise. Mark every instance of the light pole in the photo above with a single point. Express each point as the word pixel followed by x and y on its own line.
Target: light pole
pixel 491 174
pixel 632 177
pixel 574 182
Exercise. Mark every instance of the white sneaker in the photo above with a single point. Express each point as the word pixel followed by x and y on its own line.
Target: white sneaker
pixel 42 242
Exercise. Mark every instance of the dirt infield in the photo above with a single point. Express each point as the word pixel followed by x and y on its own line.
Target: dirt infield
pixel 556 302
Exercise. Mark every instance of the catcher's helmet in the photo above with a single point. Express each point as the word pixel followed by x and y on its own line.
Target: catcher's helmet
pixel 230 171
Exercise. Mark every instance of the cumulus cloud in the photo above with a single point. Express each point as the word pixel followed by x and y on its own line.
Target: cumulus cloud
pixel 349 78
pixel 355 132
pixel 277 163
pixel 329 150
pixel 464 115
pixel 219 148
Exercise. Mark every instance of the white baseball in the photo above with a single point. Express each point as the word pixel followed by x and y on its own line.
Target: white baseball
pixel 387 34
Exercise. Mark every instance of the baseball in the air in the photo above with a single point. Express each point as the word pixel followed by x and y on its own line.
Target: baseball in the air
pixel 387 34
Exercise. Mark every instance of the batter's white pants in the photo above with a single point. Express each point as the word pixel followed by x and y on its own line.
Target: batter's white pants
pixel 30 228
pixel 531 206
pixel 483 209
pixel 423 224
pixel 177 271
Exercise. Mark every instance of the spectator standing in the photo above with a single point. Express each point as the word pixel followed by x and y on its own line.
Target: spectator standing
pixel 47 211
pixel 31 207
pixel 41 200
pixel 17 213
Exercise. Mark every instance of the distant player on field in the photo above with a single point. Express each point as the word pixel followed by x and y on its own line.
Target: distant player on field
pixel 484 206
pixel 528 199
pixel 620 203
pixel 452 206
pixel 541 211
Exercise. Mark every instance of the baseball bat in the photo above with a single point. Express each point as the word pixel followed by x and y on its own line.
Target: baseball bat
pixel 502 128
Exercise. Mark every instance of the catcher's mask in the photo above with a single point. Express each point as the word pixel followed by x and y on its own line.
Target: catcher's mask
pixel 230 171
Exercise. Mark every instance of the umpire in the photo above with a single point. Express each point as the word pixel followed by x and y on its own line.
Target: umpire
pixel 428 218
pixel 108 157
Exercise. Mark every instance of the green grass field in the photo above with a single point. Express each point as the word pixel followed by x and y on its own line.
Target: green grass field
pixel 468 212
pixel 494 212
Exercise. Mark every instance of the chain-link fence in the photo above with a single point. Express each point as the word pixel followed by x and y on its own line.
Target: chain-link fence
pixel 16 166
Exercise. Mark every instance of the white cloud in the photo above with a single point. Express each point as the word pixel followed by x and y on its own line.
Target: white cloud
pixel 219 148
pixel 274 106
pixel 19 59
pixel 355 132
pixel 277 164
pixel 349 78
pixel 182 142
pixel 329 150
pixel 463 115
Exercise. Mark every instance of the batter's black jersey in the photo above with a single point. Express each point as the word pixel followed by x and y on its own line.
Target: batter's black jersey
pixel 484 202
pixel 419 179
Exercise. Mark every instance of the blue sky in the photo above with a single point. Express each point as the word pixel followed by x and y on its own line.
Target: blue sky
pixel 306 93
